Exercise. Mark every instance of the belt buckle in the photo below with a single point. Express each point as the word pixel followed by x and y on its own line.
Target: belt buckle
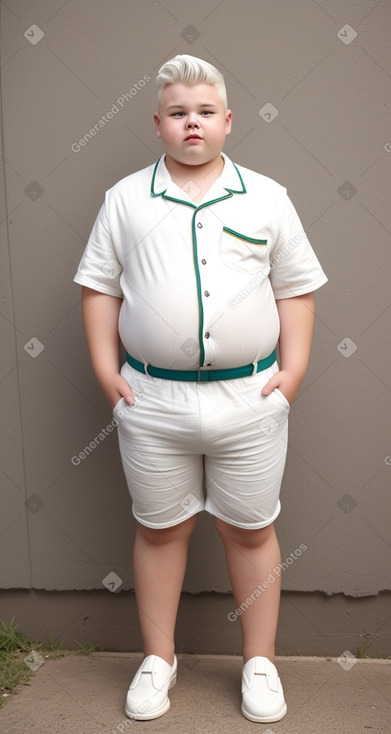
pixel 203 375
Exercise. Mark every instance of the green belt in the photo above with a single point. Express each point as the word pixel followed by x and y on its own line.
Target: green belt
pixel 201 375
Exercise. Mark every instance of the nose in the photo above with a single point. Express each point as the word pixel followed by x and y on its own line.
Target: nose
pixel 192 121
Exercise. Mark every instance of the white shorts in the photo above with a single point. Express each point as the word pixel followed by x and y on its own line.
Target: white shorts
pixel 215 446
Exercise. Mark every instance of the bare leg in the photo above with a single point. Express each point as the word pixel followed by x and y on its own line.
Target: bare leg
pixel 159 561
pixel 251 556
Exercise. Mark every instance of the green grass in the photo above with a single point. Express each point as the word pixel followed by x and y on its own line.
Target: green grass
pixel 13 672
pixel 15 646
pixel 86 649
pixel 11 639
pixel 362 648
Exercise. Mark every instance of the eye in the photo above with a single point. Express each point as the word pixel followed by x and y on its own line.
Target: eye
pixel 207 112
pixel 177 114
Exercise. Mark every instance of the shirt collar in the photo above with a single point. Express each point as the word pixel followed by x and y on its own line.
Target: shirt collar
pixel 229 181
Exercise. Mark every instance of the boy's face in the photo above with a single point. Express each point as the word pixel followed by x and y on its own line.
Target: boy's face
pixel 192 123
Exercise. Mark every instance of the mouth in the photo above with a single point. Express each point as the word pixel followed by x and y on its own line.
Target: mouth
pixel 194 136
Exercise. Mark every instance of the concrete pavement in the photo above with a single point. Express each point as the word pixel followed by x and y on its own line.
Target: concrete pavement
pixel 85 695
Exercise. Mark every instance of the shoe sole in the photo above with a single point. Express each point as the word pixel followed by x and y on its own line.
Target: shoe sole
pixel 265 719
pixel 149 715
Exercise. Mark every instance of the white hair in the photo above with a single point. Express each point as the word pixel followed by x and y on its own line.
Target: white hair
pixel 184 69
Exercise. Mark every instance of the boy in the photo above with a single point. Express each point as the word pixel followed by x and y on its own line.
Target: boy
pixel 200 266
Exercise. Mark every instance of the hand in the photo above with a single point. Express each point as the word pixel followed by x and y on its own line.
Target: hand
pixel 117 388
pixel 287 383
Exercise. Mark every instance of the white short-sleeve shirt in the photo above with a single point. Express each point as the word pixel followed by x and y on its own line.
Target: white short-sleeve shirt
pixel 199 281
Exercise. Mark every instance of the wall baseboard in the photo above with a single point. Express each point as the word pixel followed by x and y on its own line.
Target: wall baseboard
pixel 309 624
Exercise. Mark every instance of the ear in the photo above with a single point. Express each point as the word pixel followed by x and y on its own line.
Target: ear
pixel 228 122
pixel 156 118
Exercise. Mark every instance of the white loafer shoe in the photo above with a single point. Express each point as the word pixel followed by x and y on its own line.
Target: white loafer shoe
pixel 262 695
pixel 147 695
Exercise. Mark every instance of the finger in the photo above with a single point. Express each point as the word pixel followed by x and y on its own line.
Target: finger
pixel 270 386
pixel 129 398
pixel 127 393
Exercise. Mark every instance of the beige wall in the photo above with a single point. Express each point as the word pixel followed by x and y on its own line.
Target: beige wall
pixel 66 526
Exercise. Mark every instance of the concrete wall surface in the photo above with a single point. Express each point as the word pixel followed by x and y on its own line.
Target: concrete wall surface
pixel 308 82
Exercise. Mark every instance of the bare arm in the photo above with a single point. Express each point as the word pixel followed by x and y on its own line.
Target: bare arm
pixel 100 318
pixel 296 328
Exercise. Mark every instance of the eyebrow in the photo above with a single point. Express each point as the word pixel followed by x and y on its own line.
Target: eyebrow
pixel 182 107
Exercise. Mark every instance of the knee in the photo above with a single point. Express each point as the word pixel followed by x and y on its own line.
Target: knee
pixel 242 536
pixel 162 536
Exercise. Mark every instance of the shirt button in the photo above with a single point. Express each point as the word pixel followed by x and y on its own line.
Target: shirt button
pixel 206 293
pixel 207 335
pixel 199 225
pixel 203 261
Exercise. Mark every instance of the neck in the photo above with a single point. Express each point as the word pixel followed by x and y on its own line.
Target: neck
pixel 204 173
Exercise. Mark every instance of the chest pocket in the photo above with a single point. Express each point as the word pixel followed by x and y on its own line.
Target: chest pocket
pixel 244 253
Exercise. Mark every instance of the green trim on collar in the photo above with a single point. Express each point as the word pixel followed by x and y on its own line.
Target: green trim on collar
pixel 163 193
pixel 229 191
pixel 153 180
pixel 178 201
pixel 236 191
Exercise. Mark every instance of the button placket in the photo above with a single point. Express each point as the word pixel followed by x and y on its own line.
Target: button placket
pixel 205 275
pixel 203 235
pixel 210 349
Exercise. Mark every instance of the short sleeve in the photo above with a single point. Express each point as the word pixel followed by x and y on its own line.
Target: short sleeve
pixel 295 269
pixel 99 267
